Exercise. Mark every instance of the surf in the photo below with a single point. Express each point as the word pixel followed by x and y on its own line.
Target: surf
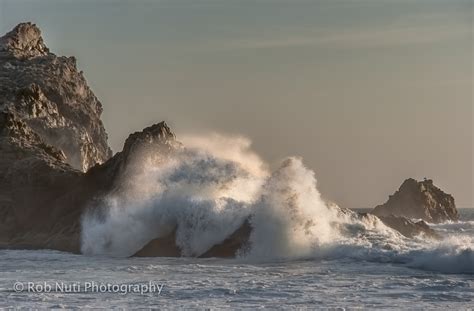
pixel 207 189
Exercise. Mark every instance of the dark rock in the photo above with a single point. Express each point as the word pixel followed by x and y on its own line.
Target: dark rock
pixel 161 247
pixel 166 246
pixel 155 143
pixel 419 200
pixel 50 131
pixel 407 227
pixel 237 241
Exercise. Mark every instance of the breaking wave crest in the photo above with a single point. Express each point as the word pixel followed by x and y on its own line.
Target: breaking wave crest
pixel 204 193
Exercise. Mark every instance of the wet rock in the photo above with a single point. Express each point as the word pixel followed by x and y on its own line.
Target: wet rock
pixel 161 247
pixel 166 246
pixel 406 227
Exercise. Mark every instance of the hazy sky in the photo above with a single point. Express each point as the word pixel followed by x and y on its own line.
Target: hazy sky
pixel 368 92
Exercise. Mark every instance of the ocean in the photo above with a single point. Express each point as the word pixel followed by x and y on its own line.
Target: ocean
pixel 364 275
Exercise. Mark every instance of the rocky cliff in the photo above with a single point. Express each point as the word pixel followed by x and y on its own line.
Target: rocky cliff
pixel 42 198
pixel 419 200
pixel 55 161
pixel 51 97
pixel 50 133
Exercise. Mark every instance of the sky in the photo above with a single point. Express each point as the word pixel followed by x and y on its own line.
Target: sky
pixel 368 92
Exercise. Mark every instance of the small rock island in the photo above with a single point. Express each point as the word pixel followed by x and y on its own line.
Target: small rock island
pixel 420 200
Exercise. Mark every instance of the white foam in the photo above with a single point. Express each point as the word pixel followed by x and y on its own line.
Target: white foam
pixel 451 255
pixel 209 188
pixel 205 192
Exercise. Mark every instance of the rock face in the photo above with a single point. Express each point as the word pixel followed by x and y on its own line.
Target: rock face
pixel 419 200
pixel 42 198
pixel 33 181
pixel 156 143
pixel 24 42
pixel 51 97
pixel 50 132
pixel 55 161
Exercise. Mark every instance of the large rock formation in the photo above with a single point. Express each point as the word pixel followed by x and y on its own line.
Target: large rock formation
pixel 50 132
pixel 419 200
pixel 51 97
pixel 50 135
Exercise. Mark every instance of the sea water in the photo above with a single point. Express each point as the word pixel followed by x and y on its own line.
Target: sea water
pixel 415 279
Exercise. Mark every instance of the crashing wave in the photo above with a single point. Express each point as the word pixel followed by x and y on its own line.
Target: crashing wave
pixel 208 189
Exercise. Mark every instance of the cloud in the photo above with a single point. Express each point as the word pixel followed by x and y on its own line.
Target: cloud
pixel 406 30
pixel 360 38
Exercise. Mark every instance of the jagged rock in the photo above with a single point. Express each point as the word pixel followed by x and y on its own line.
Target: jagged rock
pixel 420 200
pixel 155 143
pixel 52 97
pixel 50 131
pixel 42 198
pixel 24 41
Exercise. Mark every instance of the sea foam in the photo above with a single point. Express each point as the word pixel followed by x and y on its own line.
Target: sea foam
pixel 206 190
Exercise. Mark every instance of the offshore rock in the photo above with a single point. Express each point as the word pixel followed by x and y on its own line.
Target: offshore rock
pixel 419 200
